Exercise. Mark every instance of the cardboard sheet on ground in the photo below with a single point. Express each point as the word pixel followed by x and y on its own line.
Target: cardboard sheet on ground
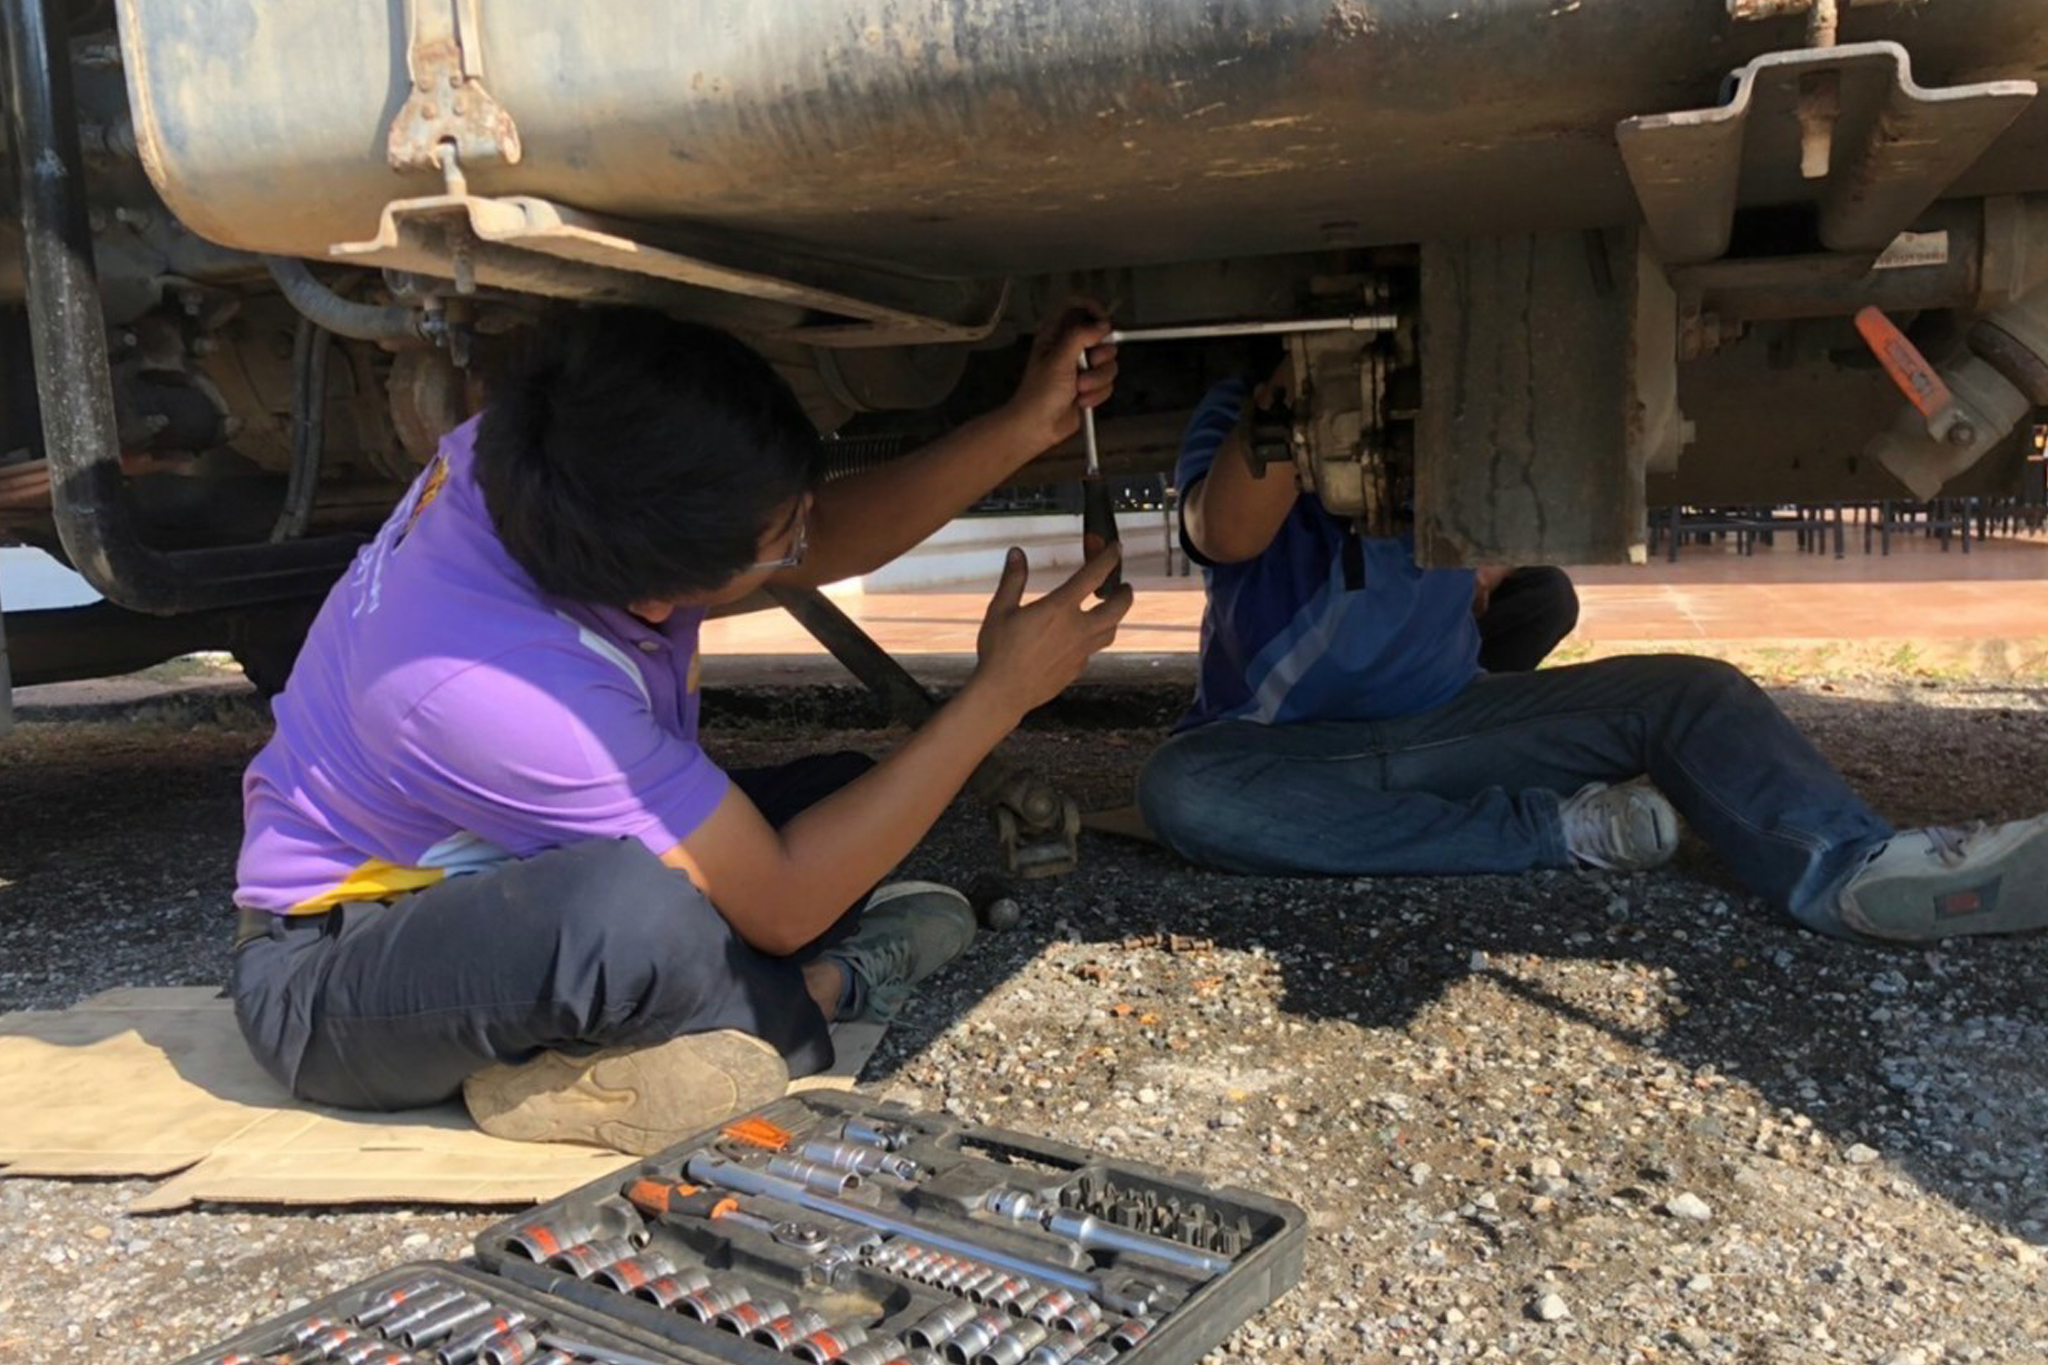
pixel 1123 821
pixel 158 1083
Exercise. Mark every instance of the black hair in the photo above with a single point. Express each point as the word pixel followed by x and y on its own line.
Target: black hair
pixel 626 457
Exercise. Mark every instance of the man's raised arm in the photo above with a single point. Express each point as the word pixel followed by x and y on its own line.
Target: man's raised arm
pixel 1232 513
pixel 863 521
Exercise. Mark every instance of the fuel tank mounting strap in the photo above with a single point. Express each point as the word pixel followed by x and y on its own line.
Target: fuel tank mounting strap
pixel 448 105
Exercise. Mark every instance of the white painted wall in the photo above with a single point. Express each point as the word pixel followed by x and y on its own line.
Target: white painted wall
pixel 30 579
pixel 969 552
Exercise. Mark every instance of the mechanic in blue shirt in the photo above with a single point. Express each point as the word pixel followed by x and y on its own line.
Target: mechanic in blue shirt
pixel 1353 717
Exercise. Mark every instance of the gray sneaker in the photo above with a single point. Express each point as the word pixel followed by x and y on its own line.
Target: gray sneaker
pixel 908 930
pixel 1950 880
pixel 1624 829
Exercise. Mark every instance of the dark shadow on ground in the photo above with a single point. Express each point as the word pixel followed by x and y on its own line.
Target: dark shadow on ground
pixel 1937 1058
pixel 116 866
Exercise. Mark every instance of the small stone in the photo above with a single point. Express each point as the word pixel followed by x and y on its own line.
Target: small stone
pixel 1551 1187
pixel 1147 1095
pixel 1910 1356
pixel 1419 1173
pixel 1550 1308
pixel 1544 1166
pixel 1688 1205
pixel 1698 1340
pixel 1229 1118
pixel 1860 1155
pixel 414 1240
pixel 1699 1284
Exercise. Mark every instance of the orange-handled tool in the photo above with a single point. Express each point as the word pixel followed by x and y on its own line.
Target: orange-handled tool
pixel 1916 378
pixel 657 1198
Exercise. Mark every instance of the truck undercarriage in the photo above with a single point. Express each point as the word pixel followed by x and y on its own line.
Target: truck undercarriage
pixel 259 252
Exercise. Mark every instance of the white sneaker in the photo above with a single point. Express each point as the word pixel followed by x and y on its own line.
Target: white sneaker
pixel 1944 881
pixel 1623 829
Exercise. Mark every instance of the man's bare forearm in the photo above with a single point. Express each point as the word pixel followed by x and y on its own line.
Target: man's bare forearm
pixel 846 843
pixel 863 521
pixel 781 889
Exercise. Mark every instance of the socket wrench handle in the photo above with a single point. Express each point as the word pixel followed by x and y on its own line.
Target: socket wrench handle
pixel 1088 434
pixel 707 1169
pixel 1098 528
pixel 1098 508
pixel 590 1350
pixel 1355 322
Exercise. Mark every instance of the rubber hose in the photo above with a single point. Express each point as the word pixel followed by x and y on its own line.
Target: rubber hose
pixel 309 429
pixel 329 310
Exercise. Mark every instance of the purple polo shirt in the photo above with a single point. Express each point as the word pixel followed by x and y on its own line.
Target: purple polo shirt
pixel 446 715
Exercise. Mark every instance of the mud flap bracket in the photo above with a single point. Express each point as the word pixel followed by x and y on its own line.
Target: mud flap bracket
pixel 1845 129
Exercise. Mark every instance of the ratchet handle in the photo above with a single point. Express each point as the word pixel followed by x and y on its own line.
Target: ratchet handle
pixel 657 1198
pixel 1098 528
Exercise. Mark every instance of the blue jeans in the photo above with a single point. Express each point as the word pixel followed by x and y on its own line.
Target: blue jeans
pixel 1474 786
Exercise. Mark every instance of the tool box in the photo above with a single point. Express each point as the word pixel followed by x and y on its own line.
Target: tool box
pixel 826 1229
pixel 443 1314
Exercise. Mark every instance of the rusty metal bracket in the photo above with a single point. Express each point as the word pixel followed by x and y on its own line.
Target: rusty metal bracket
pixel 1843 128
pixel 448 106
pixel 1037 827
pixel 524 243
pixel 1776 9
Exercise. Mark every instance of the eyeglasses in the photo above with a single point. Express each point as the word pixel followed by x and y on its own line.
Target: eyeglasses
pixel 797 546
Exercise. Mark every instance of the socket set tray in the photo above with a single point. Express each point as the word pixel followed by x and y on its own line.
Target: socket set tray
pixel 437 1314
pixel 826 1229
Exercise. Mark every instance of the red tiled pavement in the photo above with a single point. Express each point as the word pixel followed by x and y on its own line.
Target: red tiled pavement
pixel 1918 592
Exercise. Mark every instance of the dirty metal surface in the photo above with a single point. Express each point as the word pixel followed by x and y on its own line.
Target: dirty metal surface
pixel 1778 421
pixel 991 137
pixel 1523 452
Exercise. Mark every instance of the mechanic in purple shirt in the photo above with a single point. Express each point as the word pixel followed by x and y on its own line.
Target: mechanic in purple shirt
pixel 484 851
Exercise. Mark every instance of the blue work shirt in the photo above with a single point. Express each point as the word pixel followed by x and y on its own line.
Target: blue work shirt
pixel 1324 624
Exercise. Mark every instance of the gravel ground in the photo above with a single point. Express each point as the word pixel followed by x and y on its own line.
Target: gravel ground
pixel 1556 1118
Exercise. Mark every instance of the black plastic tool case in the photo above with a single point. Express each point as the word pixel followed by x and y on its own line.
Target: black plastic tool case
pixel 1063 1254
pixel 959 1167
pixel 274 1339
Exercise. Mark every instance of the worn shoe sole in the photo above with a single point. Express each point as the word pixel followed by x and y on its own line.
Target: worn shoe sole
pixel 2004 890
pixel 896 891
pixel 633 1100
